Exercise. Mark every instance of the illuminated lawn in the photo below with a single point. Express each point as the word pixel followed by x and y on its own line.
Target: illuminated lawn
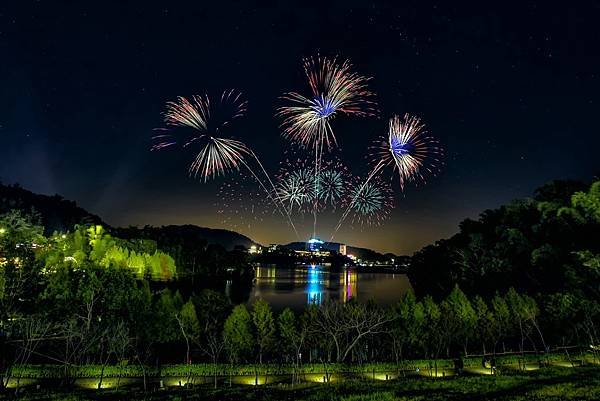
pixel 555 383
pixel 551 384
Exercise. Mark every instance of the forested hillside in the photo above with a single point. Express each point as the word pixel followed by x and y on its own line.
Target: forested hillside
pixel 545 244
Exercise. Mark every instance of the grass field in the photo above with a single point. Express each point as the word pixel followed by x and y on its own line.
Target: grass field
pixel 554 383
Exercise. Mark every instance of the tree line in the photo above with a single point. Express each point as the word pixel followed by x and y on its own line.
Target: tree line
pixel 88 298
pixel 81 324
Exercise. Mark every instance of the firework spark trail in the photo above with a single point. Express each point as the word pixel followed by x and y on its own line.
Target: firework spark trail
pixel 284 213
pixel 375 170
pixel 164 142
pixel 269 193
pixel 218 155
pixel 407 147
pixel 241 203
pixel 334 90
pixel 270 182
pixel 318 156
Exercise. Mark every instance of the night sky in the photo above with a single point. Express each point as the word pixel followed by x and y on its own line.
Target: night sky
pixel 511 92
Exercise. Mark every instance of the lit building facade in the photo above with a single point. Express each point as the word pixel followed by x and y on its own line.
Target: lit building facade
pixel 314 244
pixel 317 245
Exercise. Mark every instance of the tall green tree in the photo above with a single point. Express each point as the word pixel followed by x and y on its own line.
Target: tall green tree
pixel 264 326
pixel 485 322
pixel 166 328
pixel 458 318
pixel 288 334
pixel 237 334
pixel 406 327
pixel 212 309
pixel 503 321
pixel 434 334
pixel 189 326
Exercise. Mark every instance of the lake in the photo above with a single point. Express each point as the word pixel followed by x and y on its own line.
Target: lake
pixel 298 286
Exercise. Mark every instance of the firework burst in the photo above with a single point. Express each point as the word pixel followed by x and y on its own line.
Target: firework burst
pixel 332 186
pixel 409 148
pixel 372 203
pixel 303 191
pixel 296 189
pixel 218 155
pixel 334 89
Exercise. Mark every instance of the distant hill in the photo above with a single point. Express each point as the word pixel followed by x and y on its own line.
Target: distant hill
pixel 365 253
pixel 187 234
pixel 59 214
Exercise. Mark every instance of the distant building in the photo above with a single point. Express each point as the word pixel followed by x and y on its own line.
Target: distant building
pixel 255 249
pixel 316 245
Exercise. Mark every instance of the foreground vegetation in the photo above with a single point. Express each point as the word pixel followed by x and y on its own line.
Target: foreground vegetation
pixel 549 384
pixel 84 299
pixel 474 365
pixel 547 244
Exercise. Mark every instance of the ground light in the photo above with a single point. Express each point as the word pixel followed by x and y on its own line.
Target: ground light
pixel 250 380
pixel 175 381
pixel 440 373
pixel 564 364
pixel 591 359
pixel 382 376
pixel 320 378
pixel 107 383
pixel 182 381
pixel 478 371
pixel 93 384
pixel 23 382
pixel 531 366
pixel 258 380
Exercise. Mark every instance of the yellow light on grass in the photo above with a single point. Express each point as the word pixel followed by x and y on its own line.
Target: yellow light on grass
pixel 320 378
pixel 107 383
pixel 440 373
pixel 563 364
pixel 383 376
pixel 250 380
pixel 23 382
pixel 478 371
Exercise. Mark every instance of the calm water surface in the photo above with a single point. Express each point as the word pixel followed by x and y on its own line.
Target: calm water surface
pixel 296 287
